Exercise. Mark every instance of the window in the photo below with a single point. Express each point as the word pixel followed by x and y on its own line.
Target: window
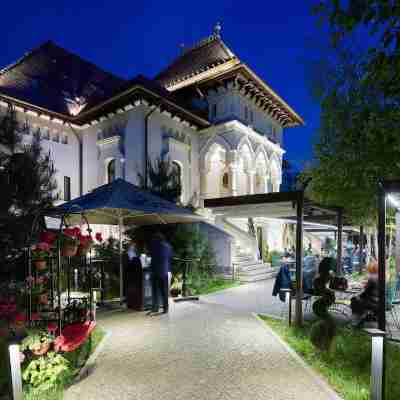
pixel 246 113
pixel 56 137
pixel 251 116
pixel 45 134
pixel 65 139
pixel 67 188
pixel 111 171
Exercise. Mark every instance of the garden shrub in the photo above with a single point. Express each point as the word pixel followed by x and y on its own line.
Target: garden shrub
pixel 323 331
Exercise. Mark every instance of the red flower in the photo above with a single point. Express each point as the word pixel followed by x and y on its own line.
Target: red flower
pixel 99 237
pixel 85 240
pixel 43 246
pixel 20 319
pixel 69 232
pixel 35 317
pixel 48 237
pixel 52 327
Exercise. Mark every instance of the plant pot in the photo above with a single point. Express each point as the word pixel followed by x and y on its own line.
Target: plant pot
pixel 44 348
pixel 43 299
pixel 40 265
pixel 175 292
pixel 69 250
pixel 82 251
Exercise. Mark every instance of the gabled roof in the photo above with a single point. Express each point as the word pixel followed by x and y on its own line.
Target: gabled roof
pixel 207 54
pixel 211 62
pixel 52 78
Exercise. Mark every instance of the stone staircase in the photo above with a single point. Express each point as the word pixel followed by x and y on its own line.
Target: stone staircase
pixel 250 270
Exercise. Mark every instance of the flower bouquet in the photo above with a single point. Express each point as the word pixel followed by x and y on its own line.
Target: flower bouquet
pixel 86 242
pixel 38 342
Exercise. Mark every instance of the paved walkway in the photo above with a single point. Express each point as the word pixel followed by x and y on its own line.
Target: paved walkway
pixel 212 349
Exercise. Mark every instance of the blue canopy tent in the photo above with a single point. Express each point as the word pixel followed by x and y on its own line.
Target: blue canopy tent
pixel 123 204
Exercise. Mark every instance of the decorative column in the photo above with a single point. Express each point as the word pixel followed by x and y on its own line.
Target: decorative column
pixel 251 177
pixel 231 160
pixel 233 170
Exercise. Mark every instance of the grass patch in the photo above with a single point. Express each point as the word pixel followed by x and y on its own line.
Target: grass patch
pixel 347 367
pixel 213 285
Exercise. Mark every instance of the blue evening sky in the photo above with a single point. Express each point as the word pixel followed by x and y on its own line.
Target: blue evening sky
pixel 275 38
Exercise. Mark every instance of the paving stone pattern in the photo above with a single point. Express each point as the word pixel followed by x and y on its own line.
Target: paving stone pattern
pixel 201 350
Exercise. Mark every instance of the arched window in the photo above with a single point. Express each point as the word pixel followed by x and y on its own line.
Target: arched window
pixel 225 180
pixel 177 169
pixel 111 171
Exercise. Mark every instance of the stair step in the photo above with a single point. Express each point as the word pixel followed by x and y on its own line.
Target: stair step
pixel 252 267
pixel 253 272
pixel 256 278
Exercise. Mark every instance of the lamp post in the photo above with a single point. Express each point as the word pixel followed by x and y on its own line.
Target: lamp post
pixel 15 364
pixel 377 364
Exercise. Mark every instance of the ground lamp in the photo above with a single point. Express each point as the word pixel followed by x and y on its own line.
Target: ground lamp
pixel 15 363
pixel 288 301
pixel 377 364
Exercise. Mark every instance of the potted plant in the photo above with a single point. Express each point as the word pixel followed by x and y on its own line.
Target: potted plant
pixel 69 241
pixel 176 286
pixel 85 243
pixel 40 254
pixel 37 341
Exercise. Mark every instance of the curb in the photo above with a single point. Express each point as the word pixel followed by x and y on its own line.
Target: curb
pixel 317 377
pixel 91 361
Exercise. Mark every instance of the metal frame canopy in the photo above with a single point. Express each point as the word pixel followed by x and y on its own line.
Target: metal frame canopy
pixel 282 205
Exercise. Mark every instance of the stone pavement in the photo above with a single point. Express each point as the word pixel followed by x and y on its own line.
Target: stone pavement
pixel 201 350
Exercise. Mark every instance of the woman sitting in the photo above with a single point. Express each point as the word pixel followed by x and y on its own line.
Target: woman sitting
pixel 368 301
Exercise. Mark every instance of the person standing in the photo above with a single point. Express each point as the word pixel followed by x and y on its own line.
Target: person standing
pixel 161 255
pixel 134 279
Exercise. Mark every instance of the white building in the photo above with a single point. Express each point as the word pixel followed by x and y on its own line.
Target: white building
pixel 207 111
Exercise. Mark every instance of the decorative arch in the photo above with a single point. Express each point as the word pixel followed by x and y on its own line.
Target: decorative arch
pixel 276 173
pixel 111 170
pixel 262 171
pixel 209 147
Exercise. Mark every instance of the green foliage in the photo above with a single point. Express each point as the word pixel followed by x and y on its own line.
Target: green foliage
pixel 188 242
pixel 47 372
pixel 35 339
pixel 347 367
pixel 163 180
pixel 358 142
pixel 4 366
pixel 27 180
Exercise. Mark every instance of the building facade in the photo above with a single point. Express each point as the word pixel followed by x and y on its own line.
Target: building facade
pixel 208 112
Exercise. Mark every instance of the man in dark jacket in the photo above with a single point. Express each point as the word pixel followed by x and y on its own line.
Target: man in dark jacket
pixel 161 255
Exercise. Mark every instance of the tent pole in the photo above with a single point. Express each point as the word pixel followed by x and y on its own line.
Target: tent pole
pixel 299 260
pixel 121 270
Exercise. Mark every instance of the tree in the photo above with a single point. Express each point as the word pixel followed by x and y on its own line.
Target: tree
pixel 27 178
pixel 380 19
pixel 358 141
pixel 164 180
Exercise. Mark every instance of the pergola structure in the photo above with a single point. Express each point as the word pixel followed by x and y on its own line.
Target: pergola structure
pixel 283 205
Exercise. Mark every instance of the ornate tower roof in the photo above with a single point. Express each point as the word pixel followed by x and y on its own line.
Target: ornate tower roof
pixel 210 63
pixel 206 55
